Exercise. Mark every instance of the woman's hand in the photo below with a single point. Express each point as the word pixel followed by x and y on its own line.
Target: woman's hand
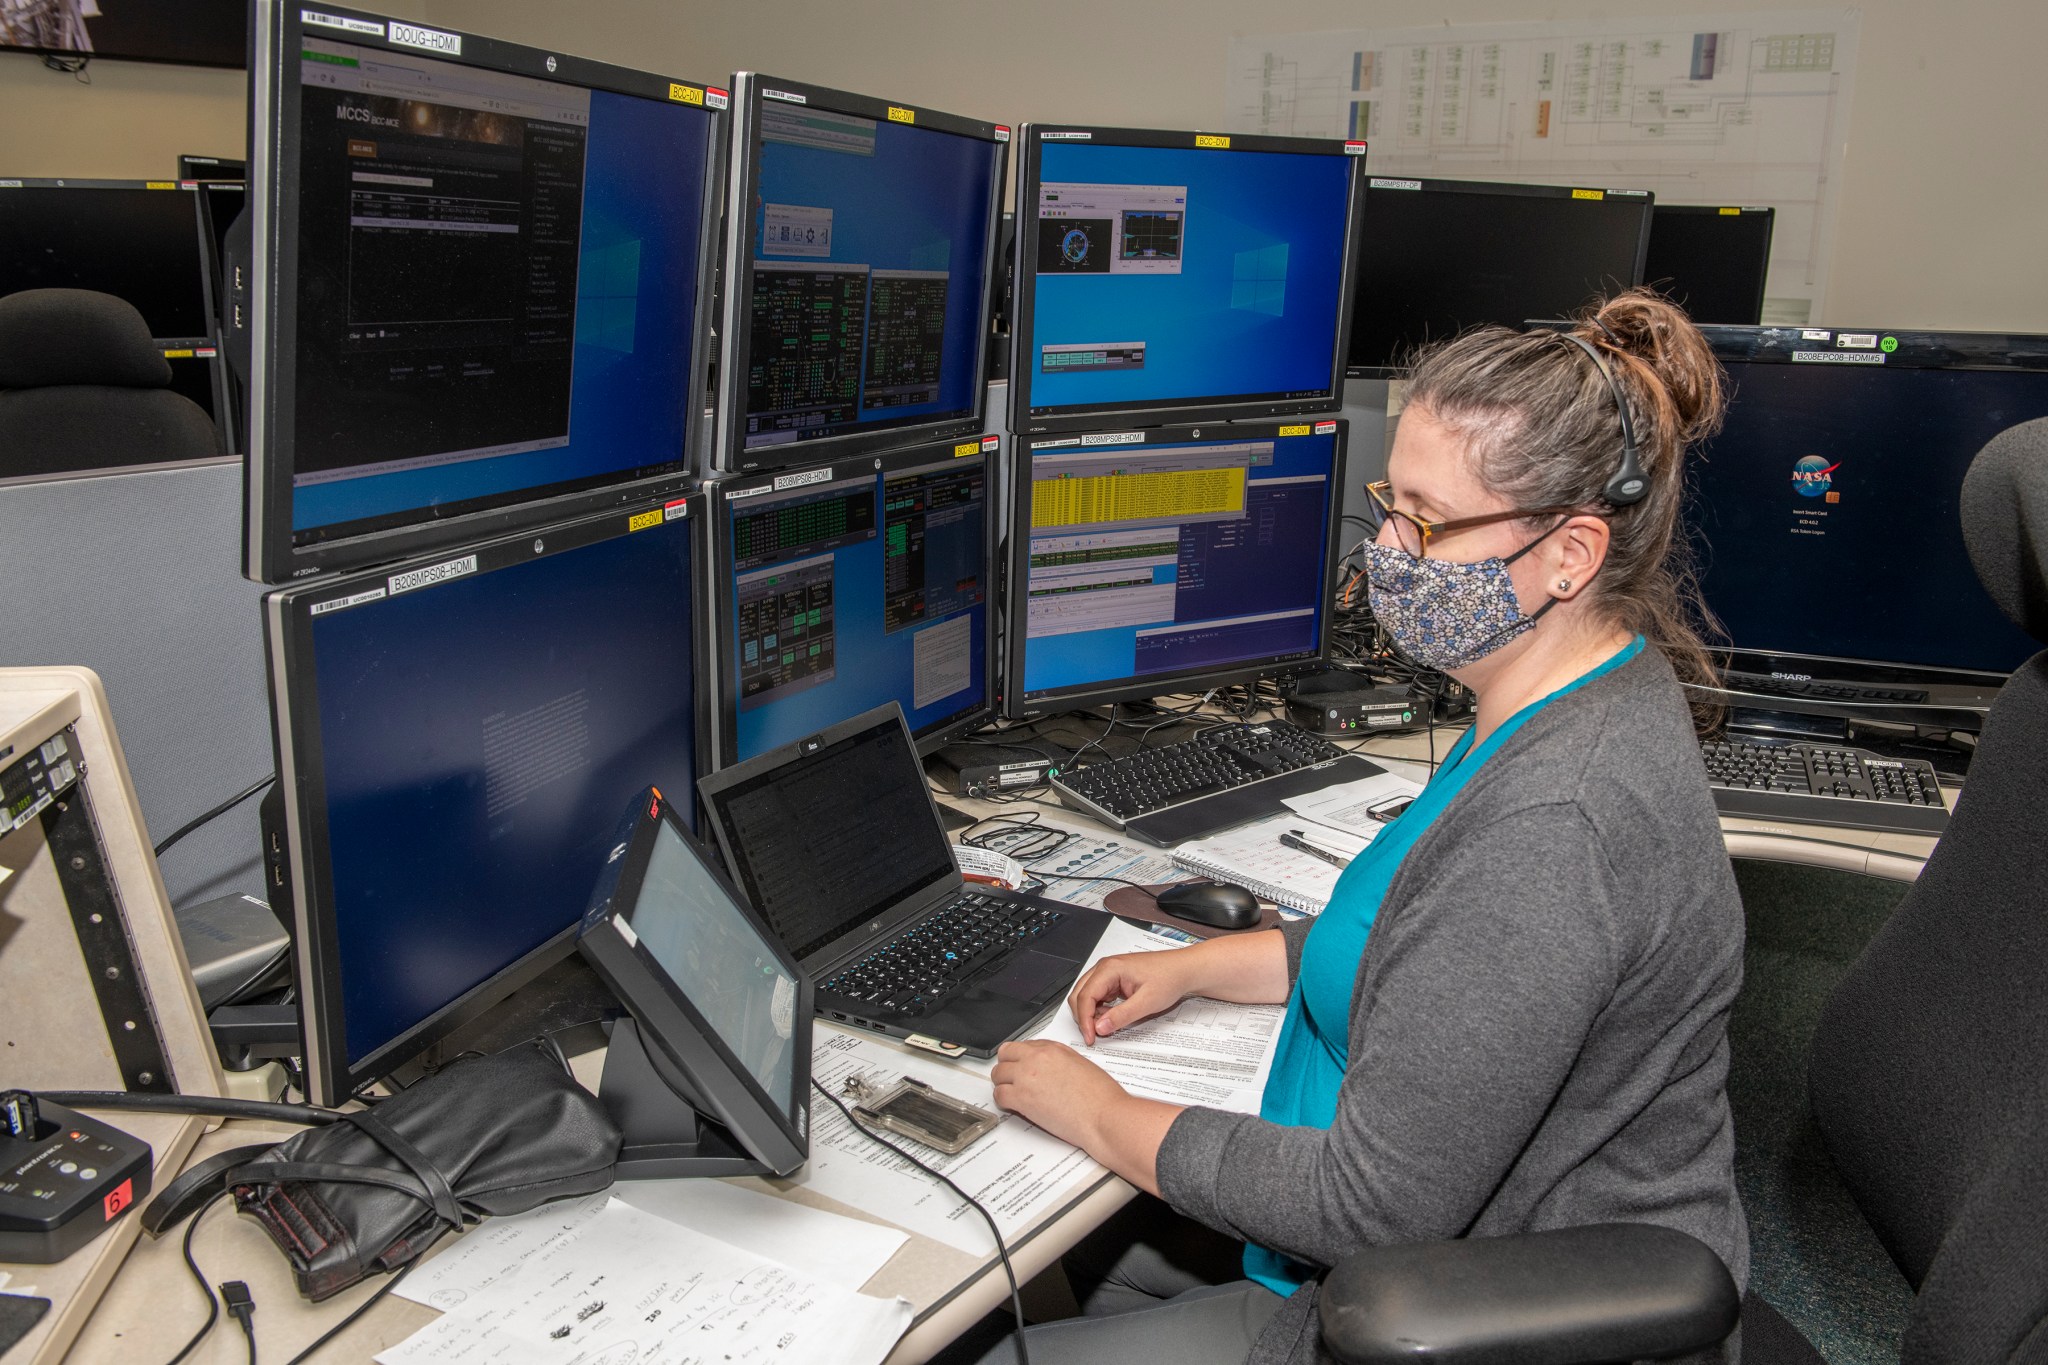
pixel 1119 991
pixel 1056 1088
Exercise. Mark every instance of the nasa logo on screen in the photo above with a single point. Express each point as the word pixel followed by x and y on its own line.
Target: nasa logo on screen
pixel 1812 475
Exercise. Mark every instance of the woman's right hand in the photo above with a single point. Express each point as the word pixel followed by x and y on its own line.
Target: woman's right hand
pixel 1122 990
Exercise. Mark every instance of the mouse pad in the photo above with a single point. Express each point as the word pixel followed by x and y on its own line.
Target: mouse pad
pixel 1137 903
pixel 19 1313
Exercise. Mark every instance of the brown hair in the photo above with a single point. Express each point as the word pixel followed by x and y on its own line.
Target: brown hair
pixel 1538 421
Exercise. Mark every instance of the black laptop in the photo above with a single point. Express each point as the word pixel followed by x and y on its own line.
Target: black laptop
pixel 836 842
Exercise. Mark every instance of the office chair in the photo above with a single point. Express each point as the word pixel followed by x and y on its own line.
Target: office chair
pixel 1928 1078
pixel 83 387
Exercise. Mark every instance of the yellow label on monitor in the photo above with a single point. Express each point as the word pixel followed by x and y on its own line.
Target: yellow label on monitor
pixel 1731 213
pixel 652 517
pixel 161 185
pixel 1216 140
pixel 177 355
pixel 1589 194
pixel 898 114
pixel 1301 430
pixel 967 448
pixel 685 94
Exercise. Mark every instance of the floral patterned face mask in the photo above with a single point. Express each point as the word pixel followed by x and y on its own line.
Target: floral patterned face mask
pixel 1444 614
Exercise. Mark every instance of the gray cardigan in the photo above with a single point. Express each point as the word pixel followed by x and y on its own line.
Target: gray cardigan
pixel 1538 1033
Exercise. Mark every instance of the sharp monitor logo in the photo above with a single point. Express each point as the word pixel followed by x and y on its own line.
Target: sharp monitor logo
pixel 1812 475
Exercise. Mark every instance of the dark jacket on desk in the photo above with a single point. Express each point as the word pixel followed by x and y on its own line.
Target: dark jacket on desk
pixel 1538 1033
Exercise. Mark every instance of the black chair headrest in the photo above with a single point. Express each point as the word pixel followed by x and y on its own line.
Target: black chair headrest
pixel 50 337
pixel 2005 523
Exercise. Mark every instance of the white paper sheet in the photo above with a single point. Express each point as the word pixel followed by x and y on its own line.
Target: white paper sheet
pixel 1018 1172
pixel 627 1286
pixel 498 1252
pixel 826 1246
pixel 1206 1052
pixel 1345 808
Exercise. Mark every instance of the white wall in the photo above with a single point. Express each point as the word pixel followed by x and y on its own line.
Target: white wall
pixel 1945 188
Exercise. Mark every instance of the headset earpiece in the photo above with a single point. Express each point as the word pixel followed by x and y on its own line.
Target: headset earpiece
pixel 1629 484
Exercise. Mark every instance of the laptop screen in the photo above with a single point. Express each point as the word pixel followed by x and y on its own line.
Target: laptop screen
pixel 822 842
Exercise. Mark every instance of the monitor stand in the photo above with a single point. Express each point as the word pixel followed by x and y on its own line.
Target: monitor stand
pixel 665 1136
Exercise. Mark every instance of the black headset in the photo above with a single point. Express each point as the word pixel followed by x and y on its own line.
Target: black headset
pixel 1629 484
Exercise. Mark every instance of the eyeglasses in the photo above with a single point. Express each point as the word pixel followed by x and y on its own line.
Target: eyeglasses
pixel 1412 533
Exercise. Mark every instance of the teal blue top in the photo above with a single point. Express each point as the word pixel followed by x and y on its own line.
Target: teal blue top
pixel 1314 1047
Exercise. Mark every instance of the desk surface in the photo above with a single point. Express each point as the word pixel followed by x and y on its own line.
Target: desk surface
pixel 153 1305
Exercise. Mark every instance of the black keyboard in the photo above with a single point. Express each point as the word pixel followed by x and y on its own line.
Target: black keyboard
pixel 1820 691
pixel 1824 785
pixel 1219 778
pixel 940 953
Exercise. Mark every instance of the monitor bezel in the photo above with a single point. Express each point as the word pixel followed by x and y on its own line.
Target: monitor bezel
pixel 1742 214
pixel 1950 689
pixel 719 494
pixel 274 153
pixel 1645 199
pixel 307 893
pixel 1018 568
pixel 729 452
pixel 669 1021
pixel 1168 411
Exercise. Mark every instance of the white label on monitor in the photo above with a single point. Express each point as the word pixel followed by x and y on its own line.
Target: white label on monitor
pixel 432 574
pixel 1053 445
pixel 1378 184
pixel 1114 438
pixel 1837 358
pixel 1325 428
pixel 1002 134
pixel 1354 149
pixel 626 931
pixel 10 184
pixel 809 476
pixel 429 39
pixel 1815 334
pixel 675 511
pixel 787 97
pixel 1857 341
pixel 736 494
pixel 315 17
pixel 941 660
pixel 344 603
pixel 1066 137
pixel 716 98
pixel 1632 194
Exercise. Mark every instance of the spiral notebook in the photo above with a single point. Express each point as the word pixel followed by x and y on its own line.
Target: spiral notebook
pixel 1253 857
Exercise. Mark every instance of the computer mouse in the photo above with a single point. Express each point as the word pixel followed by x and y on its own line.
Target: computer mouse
pixel 1218 904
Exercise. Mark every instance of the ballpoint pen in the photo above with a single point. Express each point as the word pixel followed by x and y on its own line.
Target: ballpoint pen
pixel 1295 839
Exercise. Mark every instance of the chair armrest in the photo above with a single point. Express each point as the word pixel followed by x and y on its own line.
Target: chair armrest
pixel 1605 1292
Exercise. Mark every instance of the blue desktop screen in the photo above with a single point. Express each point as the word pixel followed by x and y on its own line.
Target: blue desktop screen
pixel 496 296
pixel 1828 512
pixel 851 593
pixel 869 274
pixel 477 739
pixel 1168 273
pixel 1173 559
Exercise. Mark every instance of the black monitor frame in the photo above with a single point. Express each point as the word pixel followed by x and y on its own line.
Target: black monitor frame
pixel 1746 218
pixel 1394 366
pixel 721 493
pixel 1104 416
pixel 181 346
pixel 1017 566
pixel 299 852
pixel 1955 697
pixel 729 452
pixel 192 166
pixel 274 162
pixel 668 1070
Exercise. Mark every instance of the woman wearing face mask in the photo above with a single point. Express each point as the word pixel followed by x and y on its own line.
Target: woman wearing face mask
pixel 1513 1014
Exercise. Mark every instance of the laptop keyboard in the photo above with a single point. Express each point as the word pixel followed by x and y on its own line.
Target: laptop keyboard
pixel 940 953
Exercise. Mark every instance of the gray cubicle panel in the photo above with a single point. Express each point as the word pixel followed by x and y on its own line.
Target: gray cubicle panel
pixel 137 576
pixel 1365 406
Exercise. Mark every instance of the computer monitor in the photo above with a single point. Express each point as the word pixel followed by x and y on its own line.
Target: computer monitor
pixel 1169 276
pixel 139 240
pixel 456 737
pixel 711 1074
pixel 1169 560
pixel 858 254
pixel 842 588
pixel 1711 260
pixel 1437 257
pixel 1826 512
pixel 479 277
